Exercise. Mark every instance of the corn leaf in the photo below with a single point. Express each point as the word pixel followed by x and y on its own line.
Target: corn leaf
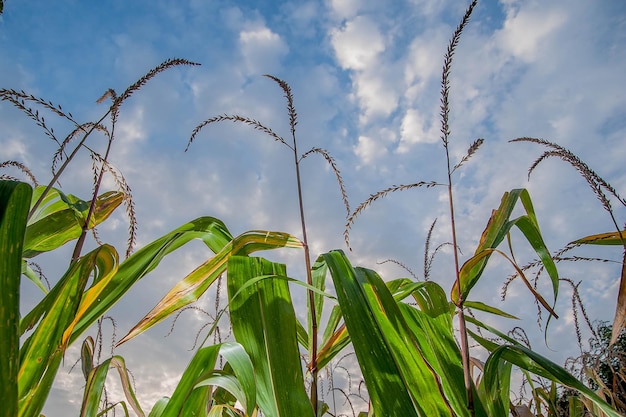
pixel 95 387
pixel 264 322
pixel 40 351
pixel 201 366
pixel 536 364
pixel 62 219
pixel 610 238
pixel 241 384
pixel 613 238
pixel 14 202
pixel 478 305
pixel 318 275
pixel 498 227
pixel 399 378
pixel 210 230
pixel 494 389
pixel 190 288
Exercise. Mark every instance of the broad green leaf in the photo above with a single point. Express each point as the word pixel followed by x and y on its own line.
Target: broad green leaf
pixel 525 358
pixel 264 322
pixel 243 373
pixel 398 376
pixel 435 340
pixel 498 227
pixel 33 405
pixel 94 387
pixel 494 389
pixel 190 288
pixel 61 304
pixel 210 230
pixel 428 295
pixel 201 366
pixel 63 219
pixel 104 264
pixel 14 202
pixel 158 407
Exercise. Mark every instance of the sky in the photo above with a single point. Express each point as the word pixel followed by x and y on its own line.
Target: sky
pixel 365 76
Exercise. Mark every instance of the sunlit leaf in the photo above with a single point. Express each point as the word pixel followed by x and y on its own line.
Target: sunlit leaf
pixel 62 220
pixel 57 311
pixel 526 359
pixel 264 322
pixel 399 377
pixel 94 387
pixel 14 202
pixel 190 288
pixel 210 230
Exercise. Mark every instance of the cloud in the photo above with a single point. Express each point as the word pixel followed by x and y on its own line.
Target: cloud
pixel 358 43
pixel 262 50
pixel 526 30
pixel 415 129
pixel 368 150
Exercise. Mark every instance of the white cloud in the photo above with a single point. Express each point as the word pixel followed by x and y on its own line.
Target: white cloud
pixel 368 149
pixel 262 49
pixel 376 95
pixel 357 43
pixel 525 31
pixel 415 129
pixel 345 9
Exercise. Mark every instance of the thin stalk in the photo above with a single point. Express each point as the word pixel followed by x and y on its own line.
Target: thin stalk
pixel 309 280
pixel 465 357
pixel 445 131
pixel 81 240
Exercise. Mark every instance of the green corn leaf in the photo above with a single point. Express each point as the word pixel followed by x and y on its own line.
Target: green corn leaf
pixel 498 227
pixel 494 389
pixel 63 218
pixel 14 202
pixel 28 272
pixel 318 275
pixel 399 377
pixel 264 322
pixel 94 387
pixel 40 350
pixel 201 366
pixel 435 341
pixel 477 305
pixel 212 231
pixel 33 405
pixel 190 288
pixel 159 407
pixel 243 374
pixel 104 262
pixel 525 358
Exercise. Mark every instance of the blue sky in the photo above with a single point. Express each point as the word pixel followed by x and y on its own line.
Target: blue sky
pixel 365 78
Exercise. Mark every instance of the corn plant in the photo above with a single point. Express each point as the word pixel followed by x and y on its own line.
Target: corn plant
pixel 408 354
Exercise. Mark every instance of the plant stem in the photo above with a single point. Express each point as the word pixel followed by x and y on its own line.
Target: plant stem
pixel 465 357
pixel 92 206
pixel 309 280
